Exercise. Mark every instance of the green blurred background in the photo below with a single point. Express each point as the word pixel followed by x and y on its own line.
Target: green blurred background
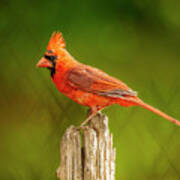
pixel 135 41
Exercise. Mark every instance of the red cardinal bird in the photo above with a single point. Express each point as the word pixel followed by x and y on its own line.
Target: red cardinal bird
pixel 86 85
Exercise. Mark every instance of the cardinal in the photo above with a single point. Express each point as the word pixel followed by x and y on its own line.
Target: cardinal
pixel 87 85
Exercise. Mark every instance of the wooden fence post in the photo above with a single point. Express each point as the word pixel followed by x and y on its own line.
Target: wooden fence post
pixel 90 155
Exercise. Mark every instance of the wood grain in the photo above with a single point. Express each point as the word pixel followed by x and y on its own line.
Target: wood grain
pixel 88 155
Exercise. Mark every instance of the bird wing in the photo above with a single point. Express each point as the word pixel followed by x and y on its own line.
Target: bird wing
pixel 96 81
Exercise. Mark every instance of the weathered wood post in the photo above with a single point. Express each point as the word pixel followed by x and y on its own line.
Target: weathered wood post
pixel 90 155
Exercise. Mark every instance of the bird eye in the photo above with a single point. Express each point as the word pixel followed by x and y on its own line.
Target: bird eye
pixel 50 51
pixel 50 58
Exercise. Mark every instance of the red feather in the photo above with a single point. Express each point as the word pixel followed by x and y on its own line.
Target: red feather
pixel 86 85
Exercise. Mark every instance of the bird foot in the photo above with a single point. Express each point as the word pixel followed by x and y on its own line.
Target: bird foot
pixel 82 126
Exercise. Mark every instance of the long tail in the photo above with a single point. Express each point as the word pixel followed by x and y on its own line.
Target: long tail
pixel 157 111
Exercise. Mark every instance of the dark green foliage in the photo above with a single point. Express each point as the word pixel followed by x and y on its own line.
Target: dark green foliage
pixel 135 41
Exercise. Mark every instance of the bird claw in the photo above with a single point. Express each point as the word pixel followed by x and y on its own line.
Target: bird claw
pixel 81 127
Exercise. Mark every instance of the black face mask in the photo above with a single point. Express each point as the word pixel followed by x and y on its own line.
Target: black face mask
pixel 53 61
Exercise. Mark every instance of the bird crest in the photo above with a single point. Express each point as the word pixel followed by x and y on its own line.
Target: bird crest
pixel 56 41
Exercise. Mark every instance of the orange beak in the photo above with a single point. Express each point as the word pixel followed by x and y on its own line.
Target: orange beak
pixel 44 63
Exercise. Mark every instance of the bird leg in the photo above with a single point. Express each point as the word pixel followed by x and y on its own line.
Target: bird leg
pixel 87 120
pixel 91 114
